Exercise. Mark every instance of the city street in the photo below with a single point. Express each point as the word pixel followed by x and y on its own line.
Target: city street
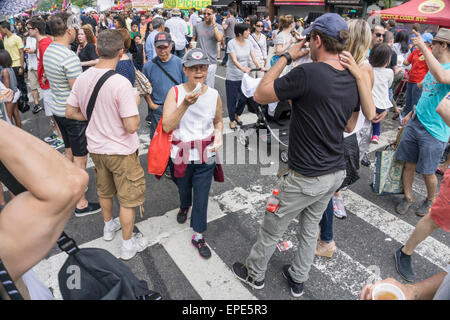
pixel 366 240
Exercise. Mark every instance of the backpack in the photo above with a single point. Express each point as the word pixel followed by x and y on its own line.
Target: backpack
pixel 95 274
pixel 90 274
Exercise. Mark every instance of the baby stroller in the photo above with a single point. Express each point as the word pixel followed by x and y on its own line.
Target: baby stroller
pixel 276 126
pixel 399 96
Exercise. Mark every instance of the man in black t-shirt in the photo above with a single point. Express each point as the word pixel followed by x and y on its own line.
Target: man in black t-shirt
pixel 325 103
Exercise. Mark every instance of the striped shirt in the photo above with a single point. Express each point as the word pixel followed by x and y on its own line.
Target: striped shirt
pixel 60 65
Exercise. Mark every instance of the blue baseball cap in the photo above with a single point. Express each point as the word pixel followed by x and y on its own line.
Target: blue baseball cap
pixel 328 23
pixel 427 37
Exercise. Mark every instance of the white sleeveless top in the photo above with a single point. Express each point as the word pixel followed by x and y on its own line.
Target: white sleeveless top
pixel 197 122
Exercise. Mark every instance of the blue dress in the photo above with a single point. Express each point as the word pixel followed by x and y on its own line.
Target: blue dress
pixel 126 69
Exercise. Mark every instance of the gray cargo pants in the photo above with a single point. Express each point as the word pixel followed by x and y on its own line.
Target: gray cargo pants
pixel 306 197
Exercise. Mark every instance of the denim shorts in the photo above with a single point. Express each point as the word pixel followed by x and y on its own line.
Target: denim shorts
pixel 419 146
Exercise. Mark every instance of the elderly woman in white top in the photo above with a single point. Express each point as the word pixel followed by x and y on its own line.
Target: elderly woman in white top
pixel 193 111
pixel 259 45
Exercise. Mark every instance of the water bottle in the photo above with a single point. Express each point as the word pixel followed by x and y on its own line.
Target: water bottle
pixel 273 201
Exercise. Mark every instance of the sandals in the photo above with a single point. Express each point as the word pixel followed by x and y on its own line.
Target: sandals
pixel 239 122
pixel 233 128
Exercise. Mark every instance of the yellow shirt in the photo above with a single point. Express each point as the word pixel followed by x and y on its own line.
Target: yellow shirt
pixel 12 45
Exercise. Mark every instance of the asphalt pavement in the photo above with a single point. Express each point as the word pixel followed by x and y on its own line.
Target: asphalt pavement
pixel 366 240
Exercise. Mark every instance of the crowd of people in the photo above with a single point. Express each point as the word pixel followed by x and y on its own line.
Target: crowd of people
pixel 339 77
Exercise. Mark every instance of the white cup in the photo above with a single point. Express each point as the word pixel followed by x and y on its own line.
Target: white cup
pixel 194 44
pixel 389 289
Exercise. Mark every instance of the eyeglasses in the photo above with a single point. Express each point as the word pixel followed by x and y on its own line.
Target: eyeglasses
pixel 380 35
pixel 435 42
pixel 208 14
pixel 201 67
pixel 259 25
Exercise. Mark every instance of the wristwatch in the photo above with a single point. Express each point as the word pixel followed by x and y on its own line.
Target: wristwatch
pixel 288 57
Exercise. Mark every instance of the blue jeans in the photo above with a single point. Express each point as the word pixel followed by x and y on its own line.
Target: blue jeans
pixel 180 53
pixel 225 58
pixel 376 127
pixel 326 224
pixel 413 94
pixel 155 116
pixel 235 98
pixel 198 178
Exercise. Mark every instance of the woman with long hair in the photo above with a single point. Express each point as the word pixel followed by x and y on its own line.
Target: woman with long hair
pixel 357 45
pixel 86 49
pixel 284 39
pixel 259 45
pixel 8 78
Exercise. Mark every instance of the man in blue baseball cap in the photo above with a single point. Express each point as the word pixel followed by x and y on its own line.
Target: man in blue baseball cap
pixel 325 103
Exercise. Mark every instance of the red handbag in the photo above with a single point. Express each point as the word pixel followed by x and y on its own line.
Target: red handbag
pixel 159 148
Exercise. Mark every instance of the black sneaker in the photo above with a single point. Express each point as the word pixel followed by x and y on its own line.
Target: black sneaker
pixel 365 160
pixel 92 207
pixel 241 271
pixel 403 265
pixel 182 215
pixel 37 108
pixel 203 249
pixel 296 288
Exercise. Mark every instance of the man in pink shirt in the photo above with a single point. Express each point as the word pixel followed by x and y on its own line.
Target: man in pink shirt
pixel 112 141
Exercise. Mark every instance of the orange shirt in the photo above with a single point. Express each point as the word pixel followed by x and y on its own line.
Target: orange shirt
pixel 419 66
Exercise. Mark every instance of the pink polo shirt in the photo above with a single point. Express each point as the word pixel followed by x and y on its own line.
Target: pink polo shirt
pixel 115 101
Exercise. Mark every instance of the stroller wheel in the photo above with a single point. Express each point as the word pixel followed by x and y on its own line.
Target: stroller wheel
pixel 284 156
pixel 243 137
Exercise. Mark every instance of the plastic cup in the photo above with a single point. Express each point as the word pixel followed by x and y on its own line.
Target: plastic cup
pixel 387 291
pixel 194 44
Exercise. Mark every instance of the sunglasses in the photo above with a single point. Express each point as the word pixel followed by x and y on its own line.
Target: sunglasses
pixel 259 25
pixel 208 14
pixel 379 35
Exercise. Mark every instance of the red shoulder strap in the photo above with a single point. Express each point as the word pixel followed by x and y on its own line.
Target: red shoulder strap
pixel 176 93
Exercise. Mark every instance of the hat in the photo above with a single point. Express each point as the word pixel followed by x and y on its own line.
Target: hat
pixel 175 12
pixel 194 57
pixel 163 38
pixel 427 37
pixel 443 35
pixel 329 23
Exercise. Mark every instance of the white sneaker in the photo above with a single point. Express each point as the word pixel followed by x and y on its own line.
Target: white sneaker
pixel 108 234
pixel 139 245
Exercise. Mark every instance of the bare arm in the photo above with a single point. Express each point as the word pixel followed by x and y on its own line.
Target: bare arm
pixel 217 33
pixel 218 125
pixel 131 124
pixel 444 109
pixel 5 76
pixel 255 60
pixel 74 113
pixel 351 124
pixel 439 73
pixel 89 63
pixel 32 221
pixel 71 82
pixel 237 64
pixel 364 80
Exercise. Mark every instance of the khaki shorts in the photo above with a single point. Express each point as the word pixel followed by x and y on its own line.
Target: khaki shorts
pixel 33 78
pixel 121 175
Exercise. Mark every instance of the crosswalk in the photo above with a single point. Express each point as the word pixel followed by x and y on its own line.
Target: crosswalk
pixel 234 216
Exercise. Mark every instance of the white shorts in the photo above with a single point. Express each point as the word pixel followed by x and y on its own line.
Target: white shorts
pixel 211 78
pixel 48 102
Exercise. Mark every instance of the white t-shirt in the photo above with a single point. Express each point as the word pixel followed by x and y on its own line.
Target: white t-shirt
pixel 380 91
pixel 178 31
pixel 32 57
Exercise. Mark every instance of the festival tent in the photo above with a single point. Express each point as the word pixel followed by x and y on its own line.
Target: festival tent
pixel 120 7
pixel 436 12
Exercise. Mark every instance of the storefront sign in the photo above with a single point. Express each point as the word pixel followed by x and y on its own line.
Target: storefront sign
pixel 186 4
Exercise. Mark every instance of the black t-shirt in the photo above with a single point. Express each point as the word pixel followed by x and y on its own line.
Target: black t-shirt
pixel 323 100
pixel 88 53
pixel 393 62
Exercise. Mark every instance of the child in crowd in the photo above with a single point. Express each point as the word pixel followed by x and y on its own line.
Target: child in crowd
pixel 8 78
pixel 379 59
pixel 139 55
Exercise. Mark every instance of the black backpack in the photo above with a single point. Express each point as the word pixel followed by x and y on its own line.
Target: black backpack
pixel 90 274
